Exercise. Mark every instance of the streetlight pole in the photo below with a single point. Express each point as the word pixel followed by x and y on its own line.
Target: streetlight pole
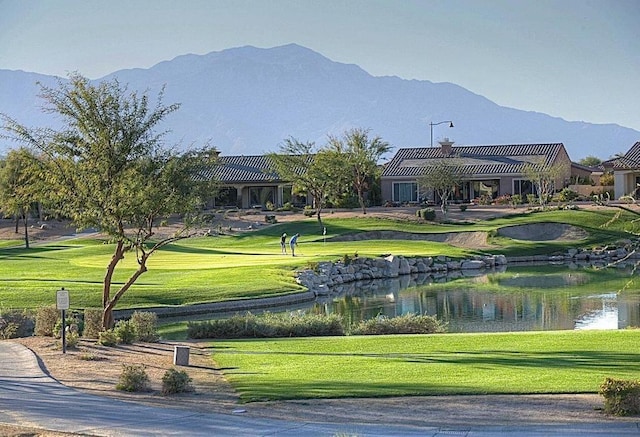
pixel 435 124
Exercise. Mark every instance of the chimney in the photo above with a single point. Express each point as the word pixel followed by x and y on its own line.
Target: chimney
pixel 446 146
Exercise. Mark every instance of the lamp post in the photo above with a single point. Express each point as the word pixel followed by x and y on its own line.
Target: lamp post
pixel 435 124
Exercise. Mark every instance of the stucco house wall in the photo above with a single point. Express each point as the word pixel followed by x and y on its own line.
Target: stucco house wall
pixel 626 172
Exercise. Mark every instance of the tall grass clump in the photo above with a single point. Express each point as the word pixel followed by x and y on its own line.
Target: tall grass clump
pixel 405 324
pixel 268 325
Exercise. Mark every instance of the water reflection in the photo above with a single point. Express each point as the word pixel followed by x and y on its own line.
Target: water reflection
pixel 521 299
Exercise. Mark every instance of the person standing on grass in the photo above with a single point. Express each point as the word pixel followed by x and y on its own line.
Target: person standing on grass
pixel 283 244
pixel 293 242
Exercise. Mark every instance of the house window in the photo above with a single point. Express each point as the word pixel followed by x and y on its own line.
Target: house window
pixel 405 192
pixel 298 200
pixel 259 196
pixel 487 188
pixel 227 196
pixel 523 187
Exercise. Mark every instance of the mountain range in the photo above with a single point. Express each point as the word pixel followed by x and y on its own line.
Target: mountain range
pixel 247 100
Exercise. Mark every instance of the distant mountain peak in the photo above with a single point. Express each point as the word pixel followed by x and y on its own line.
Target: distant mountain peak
pixel 247 100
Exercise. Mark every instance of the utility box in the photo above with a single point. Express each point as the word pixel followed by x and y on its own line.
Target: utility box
pixel 181 356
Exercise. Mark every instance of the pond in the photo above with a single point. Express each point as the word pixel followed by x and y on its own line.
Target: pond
pixel 522 298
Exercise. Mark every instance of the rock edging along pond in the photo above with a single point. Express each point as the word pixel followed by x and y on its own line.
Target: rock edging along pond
pixel 327 275
pixel 326 278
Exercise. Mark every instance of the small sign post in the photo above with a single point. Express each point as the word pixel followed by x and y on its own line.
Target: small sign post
pixel 62 303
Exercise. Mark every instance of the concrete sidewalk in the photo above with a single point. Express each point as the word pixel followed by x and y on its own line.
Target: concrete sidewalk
pixel 29 397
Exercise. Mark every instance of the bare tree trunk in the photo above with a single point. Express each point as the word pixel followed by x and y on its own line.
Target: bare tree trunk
pixel 107 315
pixel 26 231
pixel 361 200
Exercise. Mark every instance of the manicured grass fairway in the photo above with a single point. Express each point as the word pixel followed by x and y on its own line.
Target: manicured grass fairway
pixel 250 265
pixel 409 365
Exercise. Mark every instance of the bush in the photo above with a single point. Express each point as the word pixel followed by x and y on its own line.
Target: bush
pixel 107 338
pixel 175 381
pixel 428 214
pixel 89 357
pixel 287 207
pixel 144 325
pixel 309 211
pixel 346 259
pixel 567 195
pixel 268 325
pixel 73 323
pixel 72 339
pixel 406 324
pixel 505 199
pixel 92 322
pixel 484 199
pixel 125 332
pixel 16 323
pixel 133 378
pixel 621 397
pixel 7 329
pixel 46 319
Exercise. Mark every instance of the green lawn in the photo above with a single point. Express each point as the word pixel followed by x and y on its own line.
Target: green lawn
pixel 440 364
pixel 250 265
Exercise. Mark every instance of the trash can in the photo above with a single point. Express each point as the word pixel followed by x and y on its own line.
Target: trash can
pixel 181 356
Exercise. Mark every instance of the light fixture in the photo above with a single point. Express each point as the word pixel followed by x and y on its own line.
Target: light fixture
pixel 435 124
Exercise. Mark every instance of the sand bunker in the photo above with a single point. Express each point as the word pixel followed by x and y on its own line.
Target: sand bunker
pixel 460 239
pixel 478 239
pixel 543 232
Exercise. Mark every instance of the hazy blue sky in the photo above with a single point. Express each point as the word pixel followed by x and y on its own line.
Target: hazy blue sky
pixel 575 59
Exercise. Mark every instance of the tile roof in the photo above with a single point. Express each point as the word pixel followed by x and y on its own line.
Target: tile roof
pixel 585 167
pixel 630 160
pixel 474 160
pixel 233 169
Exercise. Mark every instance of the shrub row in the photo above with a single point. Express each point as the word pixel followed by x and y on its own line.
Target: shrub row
pixel 271 325
pixel 47 322
pixel 268 325
pixel 405 324
pixel 140 327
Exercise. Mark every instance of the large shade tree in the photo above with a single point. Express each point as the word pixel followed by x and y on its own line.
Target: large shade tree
pixel 20 187
pixel 108 170
pixel 361 154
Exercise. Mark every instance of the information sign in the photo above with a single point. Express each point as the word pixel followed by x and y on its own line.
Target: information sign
pixel 62 299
